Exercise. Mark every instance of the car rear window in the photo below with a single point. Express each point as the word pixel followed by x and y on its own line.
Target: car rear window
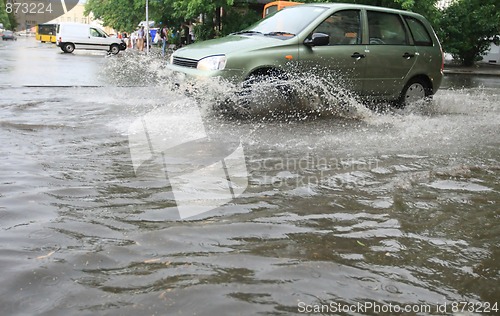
pixel 419 32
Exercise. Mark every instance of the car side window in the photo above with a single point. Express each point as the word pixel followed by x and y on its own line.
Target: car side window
pixel 95 33
pixel 386 29
pixel 419 32
pixel 343 27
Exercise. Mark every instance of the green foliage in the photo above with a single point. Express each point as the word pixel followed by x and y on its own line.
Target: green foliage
pixel 190 9
pixel 119 14
pixel 4 18
pixel 467 28
pixel 13 21
pixel 237 19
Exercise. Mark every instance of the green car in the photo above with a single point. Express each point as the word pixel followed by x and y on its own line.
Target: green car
pixel 377 53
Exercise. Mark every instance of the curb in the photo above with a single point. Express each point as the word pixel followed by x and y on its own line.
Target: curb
pixel 482 70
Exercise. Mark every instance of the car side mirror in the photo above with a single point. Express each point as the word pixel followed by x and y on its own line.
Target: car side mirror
pixel 318 39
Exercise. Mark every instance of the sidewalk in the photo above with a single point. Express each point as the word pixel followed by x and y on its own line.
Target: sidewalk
pixel 478 69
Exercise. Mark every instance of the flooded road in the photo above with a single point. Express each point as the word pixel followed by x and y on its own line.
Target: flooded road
pixel 341 214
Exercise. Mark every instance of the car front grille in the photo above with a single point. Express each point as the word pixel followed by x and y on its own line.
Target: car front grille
pixel 185 62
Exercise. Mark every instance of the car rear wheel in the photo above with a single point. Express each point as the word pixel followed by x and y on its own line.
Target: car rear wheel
pixel 114 49
pixel 68 47
pixel 416 90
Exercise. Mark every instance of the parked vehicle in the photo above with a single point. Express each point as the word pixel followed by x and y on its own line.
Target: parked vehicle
pixel 71 36
pixel 9 35
pixel 379 53
pixel 46 32
pixel 275 6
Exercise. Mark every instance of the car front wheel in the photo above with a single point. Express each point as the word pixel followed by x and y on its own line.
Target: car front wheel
pixel 267 92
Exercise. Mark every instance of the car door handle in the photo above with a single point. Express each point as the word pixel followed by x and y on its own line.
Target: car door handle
pixel 408 55
pixel 358 56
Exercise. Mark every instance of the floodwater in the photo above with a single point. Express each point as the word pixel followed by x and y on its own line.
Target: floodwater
pixel 342 213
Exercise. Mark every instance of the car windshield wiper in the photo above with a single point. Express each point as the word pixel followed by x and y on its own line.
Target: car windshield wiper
pixel 246 33
pixel 279 34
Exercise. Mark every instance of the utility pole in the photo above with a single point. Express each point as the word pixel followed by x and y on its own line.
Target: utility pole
pixel 147 27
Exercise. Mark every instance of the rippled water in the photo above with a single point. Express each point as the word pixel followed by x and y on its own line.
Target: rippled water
pixel 359 206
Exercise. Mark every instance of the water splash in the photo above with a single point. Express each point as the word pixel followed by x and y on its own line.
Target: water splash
pixel 296 96
pixel 334 116
pixel 133 68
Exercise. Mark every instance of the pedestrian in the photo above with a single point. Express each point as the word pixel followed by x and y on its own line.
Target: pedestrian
pixel 133 39
pixel 140 39
pixel 164 39
pixel 126 38
pixel 191 32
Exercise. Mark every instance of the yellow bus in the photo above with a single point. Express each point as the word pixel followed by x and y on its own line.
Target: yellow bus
pixel 274 6
pixel 46 32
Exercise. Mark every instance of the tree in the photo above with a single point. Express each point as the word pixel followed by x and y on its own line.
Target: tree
pixel 120 14
pixel 4 18
pixel 427 8
pixel 237 18
pixel 468 27
pixel 208 10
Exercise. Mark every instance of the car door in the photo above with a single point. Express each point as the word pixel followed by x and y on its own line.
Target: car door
pixel 389 56
pixel 82 38
pixel 343 58
pixel 98 40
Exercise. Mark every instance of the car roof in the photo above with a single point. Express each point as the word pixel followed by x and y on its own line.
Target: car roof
pixel 338 5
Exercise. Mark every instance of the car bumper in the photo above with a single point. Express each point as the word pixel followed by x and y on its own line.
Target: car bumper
pixel 436 82
pixel 231 75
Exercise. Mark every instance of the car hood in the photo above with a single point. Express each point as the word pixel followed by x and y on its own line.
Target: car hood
pixel 228 45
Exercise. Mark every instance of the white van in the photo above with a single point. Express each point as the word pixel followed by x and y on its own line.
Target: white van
pixel 71 36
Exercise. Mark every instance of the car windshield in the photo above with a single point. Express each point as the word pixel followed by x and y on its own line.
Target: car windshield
pixel 289 21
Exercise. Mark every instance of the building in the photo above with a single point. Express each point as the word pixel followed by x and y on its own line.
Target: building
pixel 492 56
pixel 75 15
pixel 49 12
pixel 28 21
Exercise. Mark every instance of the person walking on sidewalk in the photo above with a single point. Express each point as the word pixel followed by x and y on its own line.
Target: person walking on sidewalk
pixel 140 39
pixel 164 39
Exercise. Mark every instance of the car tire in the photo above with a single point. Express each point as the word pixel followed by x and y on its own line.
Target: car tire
pixel 68 47
pixel 416 90
pixel 270 85
pixel 114 49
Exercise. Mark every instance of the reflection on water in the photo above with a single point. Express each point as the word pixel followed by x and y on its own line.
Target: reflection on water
pixel 397 207
pixel 468 81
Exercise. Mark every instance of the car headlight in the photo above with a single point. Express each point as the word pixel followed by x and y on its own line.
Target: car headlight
pixel 217 62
